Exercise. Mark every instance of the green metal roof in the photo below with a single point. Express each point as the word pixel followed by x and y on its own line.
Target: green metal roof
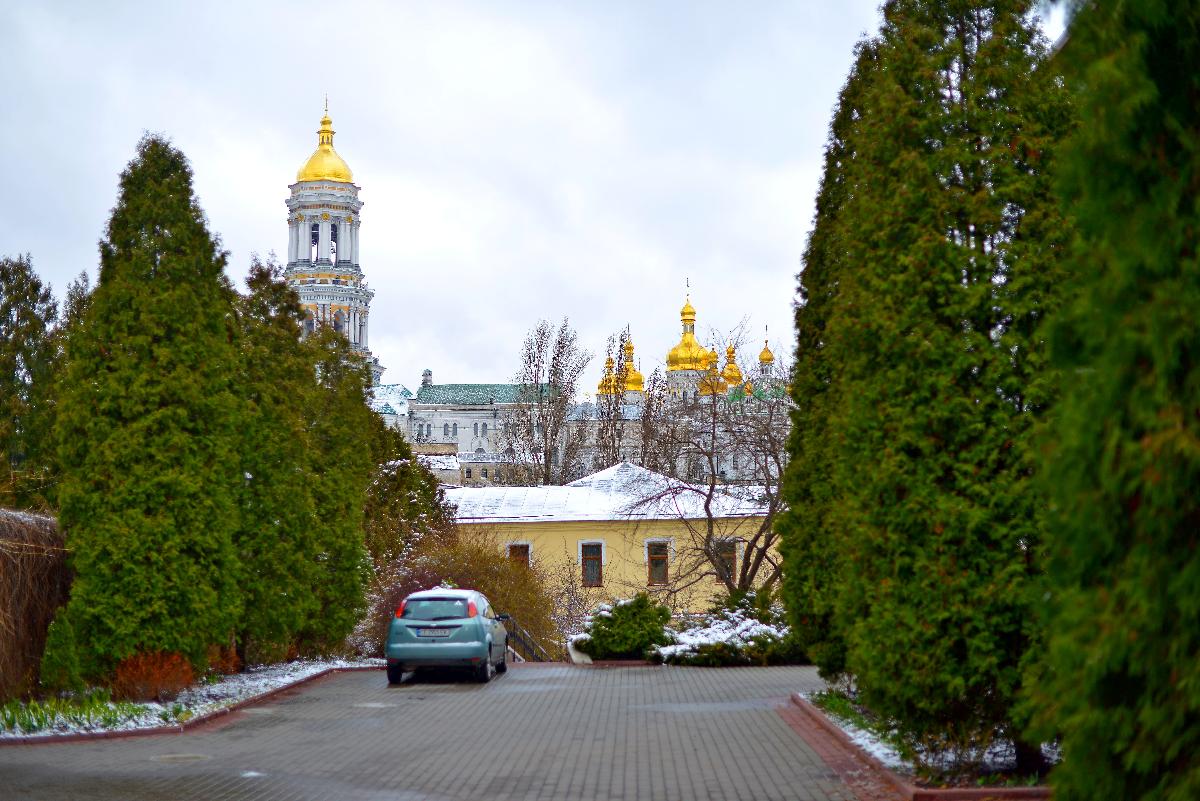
pixel 468 394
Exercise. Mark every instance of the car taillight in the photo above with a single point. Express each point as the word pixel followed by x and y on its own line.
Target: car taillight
pixel 400 609
pixel 472 609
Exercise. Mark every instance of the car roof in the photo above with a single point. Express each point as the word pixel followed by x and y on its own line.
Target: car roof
pixel 437 592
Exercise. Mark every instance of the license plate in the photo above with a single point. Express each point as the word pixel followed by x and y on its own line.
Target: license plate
pixel 433 632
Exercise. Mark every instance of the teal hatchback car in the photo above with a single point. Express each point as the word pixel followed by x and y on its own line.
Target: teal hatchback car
pixel 446 628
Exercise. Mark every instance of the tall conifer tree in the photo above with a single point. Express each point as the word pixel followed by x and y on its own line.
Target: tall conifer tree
pixel 27 315
pixel 340 468
pixel 809 544
pixel 146 428
pixel 1122 679
pixel 277 533
pixel 952 232
pixel 404 501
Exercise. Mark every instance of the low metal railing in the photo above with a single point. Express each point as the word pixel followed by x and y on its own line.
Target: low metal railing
pixel 523 643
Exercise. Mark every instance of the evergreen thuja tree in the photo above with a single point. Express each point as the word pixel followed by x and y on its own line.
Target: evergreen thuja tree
pixel 339 467
pixel 810 542
pixel 1121 680
pixel 276 539
pixel 936 347
pixel 27 315
pixel 404 502
pixel 145 429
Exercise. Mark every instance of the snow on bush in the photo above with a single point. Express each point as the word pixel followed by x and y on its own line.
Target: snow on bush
pixel 627 630
pixel 733 628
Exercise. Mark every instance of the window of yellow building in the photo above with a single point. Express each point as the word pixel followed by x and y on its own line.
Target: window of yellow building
pixel 657 558
pixel 519 552
pixel 592 558
pixel 726 558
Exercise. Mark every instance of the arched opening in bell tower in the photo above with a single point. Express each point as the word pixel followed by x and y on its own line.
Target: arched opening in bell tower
pixel 314 242
pixel 333 243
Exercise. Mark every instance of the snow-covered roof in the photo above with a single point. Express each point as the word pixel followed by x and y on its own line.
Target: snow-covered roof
pixel 390 399
pixel 621 492
pixel 487 457
pixel 438 461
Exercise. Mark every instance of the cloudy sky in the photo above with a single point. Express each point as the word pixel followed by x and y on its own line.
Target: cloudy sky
pixel 518 160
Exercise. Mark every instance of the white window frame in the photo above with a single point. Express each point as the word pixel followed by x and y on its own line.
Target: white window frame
pixel 670 541
pixel 526 543
pixel 603 559
pixel 646 543
pixel 603 551
pixel 739 553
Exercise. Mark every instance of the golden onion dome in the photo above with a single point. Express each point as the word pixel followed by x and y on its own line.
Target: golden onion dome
pixel 732 373
pixel 712 383
pixel 766 357
pixel 633 379
pixel 688 354
pixel 325 164
pixel 608 382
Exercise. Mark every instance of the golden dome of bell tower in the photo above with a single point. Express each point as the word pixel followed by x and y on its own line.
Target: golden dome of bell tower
pixel 325 164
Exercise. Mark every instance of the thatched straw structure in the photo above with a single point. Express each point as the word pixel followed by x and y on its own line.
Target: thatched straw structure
pixel 34 582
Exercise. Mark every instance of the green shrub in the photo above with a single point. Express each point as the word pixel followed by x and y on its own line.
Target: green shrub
pixel 626 630
pixel 60 670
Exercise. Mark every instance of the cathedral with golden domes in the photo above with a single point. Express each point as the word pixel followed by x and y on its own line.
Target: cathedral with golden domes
pixel 691 368
pixel 323 254
pixel 463 423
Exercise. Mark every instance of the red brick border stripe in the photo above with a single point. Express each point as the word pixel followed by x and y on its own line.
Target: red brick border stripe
pixel 180 728
pixel 853 764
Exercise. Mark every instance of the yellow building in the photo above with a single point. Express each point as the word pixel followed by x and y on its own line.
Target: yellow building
pixel 620 531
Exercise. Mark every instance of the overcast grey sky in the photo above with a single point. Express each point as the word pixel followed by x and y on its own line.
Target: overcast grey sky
pixel 517 160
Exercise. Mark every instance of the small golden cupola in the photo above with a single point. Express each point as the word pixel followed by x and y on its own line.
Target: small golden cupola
pixel 712 383
pixel 688 354
pixel 766 357
pixel 325 164
pixel 608 382
pixel 732 373
pixel 633 379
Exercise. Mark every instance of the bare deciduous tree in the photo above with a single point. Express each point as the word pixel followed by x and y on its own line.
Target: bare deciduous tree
pixel 542 448
pixel 729 449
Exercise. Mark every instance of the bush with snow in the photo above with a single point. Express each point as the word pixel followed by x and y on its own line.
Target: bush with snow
pixel 746 633
pixel 628 629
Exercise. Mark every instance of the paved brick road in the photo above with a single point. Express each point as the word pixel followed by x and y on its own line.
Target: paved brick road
pixel 539 732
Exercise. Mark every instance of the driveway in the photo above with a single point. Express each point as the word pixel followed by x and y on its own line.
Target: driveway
pixel 539 732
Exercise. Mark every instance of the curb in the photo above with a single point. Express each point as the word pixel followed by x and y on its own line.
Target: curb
pixel 179 728
pixel 909 791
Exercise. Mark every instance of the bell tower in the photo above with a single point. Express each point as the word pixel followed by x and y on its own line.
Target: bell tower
pixel 323 257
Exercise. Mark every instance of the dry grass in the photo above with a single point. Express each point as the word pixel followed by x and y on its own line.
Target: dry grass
pixel 34 583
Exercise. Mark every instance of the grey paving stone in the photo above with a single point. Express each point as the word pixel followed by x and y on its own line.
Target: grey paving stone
pixel 539 732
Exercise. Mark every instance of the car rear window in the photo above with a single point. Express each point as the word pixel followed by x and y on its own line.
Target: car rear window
pixel 434 608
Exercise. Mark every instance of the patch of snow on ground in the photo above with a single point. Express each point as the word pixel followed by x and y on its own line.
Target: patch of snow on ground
pixel 733 627
pixel 867 741
pixel 202 699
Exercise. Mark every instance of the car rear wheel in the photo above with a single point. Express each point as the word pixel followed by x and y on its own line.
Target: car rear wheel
pixel 483 673
pixel 503 666
pixel 395 674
